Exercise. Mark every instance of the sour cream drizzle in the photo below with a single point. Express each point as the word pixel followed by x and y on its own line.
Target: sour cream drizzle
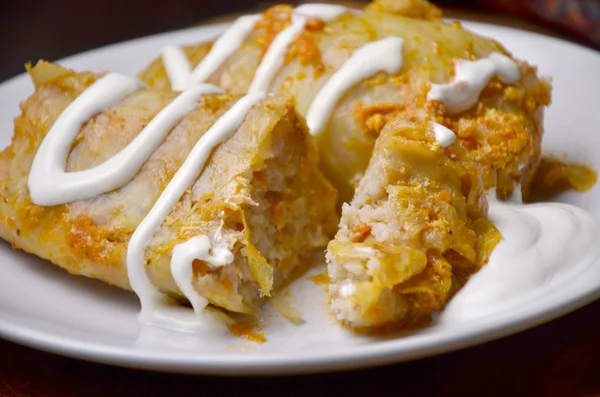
pixel 444 135
pixel 183 256
pixel 50 184
pixel 223 128
pixel 462 93
pixel 275 56
pixel 326 12
pixel 470 79
pixel 382 55
pixel 179 69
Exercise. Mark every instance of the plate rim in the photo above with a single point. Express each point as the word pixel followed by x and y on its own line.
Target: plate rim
pixel 358 357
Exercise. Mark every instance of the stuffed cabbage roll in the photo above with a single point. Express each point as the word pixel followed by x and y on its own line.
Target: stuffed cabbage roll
pixel 258 205
pixel 414 232
pixel 469 83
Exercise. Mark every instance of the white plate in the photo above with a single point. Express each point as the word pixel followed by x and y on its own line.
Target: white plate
pixel 46 308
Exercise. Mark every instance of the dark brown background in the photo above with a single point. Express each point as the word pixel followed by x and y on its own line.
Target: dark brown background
pixel 53 29
pixel 561 358
pixel 35 29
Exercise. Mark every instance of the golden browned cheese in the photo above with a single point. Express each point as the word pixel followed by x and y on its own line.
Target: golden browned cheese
pixel 421 9
pixel 414 232
pixel 503 130
pixel 261 189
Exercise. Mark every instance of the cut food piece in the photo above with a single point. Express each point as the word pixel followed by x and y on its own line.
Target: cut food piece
pixel 431 70
pixel 414 232
pixel 259 204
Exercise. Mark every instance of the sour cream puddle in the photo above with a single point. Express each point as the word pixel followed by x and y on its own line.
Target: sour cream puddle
pixel 543 245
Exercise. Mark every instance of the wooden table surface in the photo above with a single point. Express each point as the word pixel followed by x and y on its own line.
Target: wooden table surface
pixel 561 358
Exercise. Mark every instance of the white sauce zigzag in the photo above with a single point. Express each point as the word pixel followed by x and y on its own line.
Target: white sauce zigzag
pixel 49 184
pixel 470 78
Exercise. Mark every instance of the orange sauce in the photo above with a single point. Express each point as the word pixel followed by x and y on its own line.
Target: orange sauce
pixel 248 330
pixel 320 279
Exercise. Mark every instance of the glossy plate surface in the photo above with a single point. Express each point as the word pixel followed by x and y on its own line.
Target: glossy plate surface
pixel 44 307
